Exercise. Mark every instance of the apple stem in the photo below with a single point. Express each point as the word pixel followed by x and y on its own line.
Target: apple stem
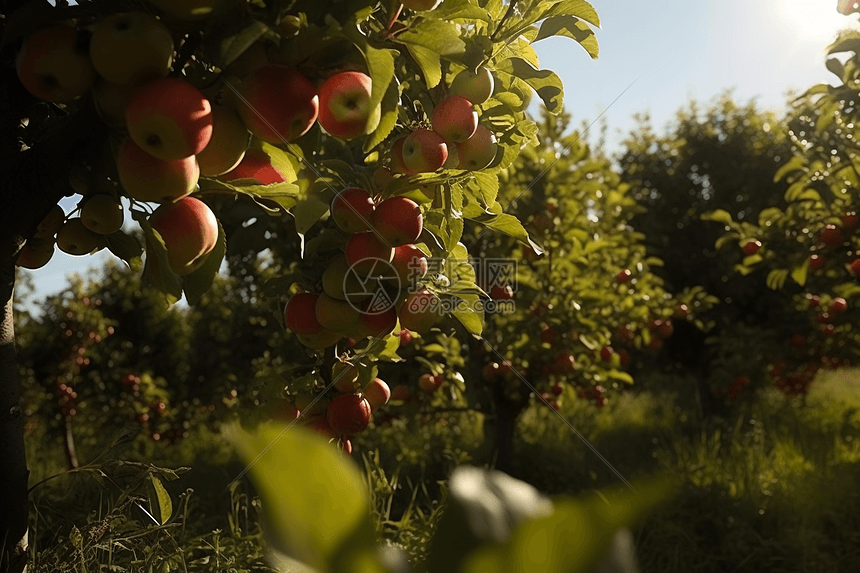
pixel 393 19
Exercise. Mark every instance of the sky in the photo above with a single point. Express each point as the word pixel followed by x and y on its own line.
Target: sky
pixel 662 52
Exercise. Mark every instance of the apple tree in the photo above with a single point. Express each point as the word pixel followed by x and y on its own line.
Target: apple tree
pixel 369 131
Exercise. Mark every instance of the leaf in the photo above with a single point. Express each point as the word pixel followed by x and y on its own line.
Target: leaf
pixel 235 45
pixel 435 35
pixel 380 65
pixel 579 8
pixel 769 216
pixel 835 67
pixel 160 504
pixel 545 82
pixel 621 376
pixel 429 62
pixel 156 270
pixel 308 211
pixel 718 215
pixel 125 246
pixel 799 272
pixel 507 224
pixel 570 27
pixel 200 281
pixel 468 315
pixel 323 522
pixel 776 278
pixel 847 41
pixel 793 164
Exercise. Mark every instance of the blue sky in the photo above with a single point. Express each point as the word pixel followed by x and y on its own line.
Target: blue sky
pixel 670 50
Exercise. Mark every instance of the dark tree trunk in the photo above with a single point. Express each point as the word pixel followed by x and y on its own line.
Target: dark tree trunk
pixel 500 426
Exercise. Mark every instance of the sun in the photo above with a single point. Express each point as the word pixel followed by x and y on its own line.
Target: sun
pixel 810 20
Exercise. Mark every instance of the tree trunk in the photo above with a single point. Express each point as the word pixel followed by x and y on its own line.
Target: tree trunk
pixel 500 427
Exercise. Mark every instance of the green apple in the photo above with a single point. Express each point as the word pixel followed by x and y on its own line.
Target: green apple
pixel 52 222
pixel 352 210
pixel 336 315
pixel 36 253
pixel 476 86
pixel 131 47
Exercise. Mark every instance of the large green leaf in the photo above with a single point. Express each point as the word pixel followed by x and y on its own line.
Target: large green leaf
pixel 315 504
pixel 435 35
pixel 160 504
pixel 579 8
pixel 570 27
pixel 545 82
pixel 430 63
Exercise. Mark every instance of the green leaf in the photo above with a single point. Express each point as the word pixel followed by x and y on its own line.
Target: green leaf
pixel 621 376
pixel 579 8
pixel 776 278
pixel 769 216
pixel 234 46
pixel 545 82
pixel 835 67
pixel 380 65
pixel 200 281
pixel 308 211
pixel 324 521
pixel 847 41
pixel 799 272
pixel 468 314
pixel 570 27
pixel 795 163
pixel 125 246
pixel 160 504
pixel 435 35
pixel 507 224
pixel 718 215
pixel 429 62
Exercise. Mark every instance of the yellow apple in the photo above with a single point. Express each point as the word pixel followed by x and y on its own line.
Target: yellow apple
pixel 148 178
pixel 189 230
pixel 102 214
pixel 228 144
pixel 131 47
pixel 50 66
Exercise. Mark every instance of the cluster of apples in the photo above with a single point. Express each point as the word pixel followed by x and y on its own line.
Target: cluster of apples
pixel 372 283
pixel 455 139
pixel 348 413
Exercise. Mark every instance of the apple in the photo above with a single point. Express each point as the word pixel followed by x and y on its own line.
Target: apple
pixel 36 253
pixel 405 337
pixel 401 393
pixel 831 236
pixel 398 221
pixel 410 264
pixel 490 371
pixel 681 311
pixel 50 66
pixel 148 178
pixel 352 210
pixel 623 276
pixel 189 230
pixel 228 144
pixel 320 426
pixel 300 314
pixel 816 262
pixel 344 376
pixel 319 341
pixel 364 250
pixel 348 414
pixel 52 222
pixel 188 9
pixel 547 334
pixel 454 119
pixel 501 292
pixel 278 104
pixel 111 100
pixel 751 247
pixel 131 47
pixel 421 5
pixel 476 86
pixel 606 353
pixel 336 315
pixel 855 267
pixel 564 363
pixel 257 167
pixel 838 306
pixel 377 324
pixel 847 7
pixel 339 282
pixel 170 119
pixel 424 151
pixel 420 311
pixel 102 214
pixel 478 151
pixel 344 104
pixel 75 239
pixel 377 393
pixel 429 383
pixel 397 165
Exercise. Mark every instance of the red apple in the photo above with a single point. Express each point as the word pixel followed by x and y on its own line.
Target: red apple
pixel 832 236
pixel 424 151
pixel 455 119
pixel 397 164
pixel 410 264
pixel 816 262
pixel 429 383
pixel 278 103
pixel 855 267
pixel 189 230
pixel 227 146
pixel 564 363
pixel 377 324
pixel 478 151
pixel 501 292
pixel 169 119
pixel 52 68
pixel 401 393
pixel 364 252
pixel 148 178
pixel 377 393
pixel 476 87
pixel 490 371
pixel 623 276
pixel 300 314
pixel 751 247
pixel 606 353
pixel 352 210
pixel 257 167
pixel 398 221
pixel 344 104
pixel 838 306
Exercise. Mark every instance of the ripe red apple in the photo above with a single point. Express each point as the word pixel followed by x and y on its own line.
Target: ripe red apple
pixel 398 221
pixel 169 119
pixel 662 328
pixel 410 264
pixel 816 262
pixel 501 292
pixel 348 414
pixel 75 239
pixel 401 393
pixel 227 146
pixel 623 276
pixel 838 306
pixel 131 47
pixel 148 178
pixel 278 103
pixel 405 337
pixel 377 324
pixel 256 167
pixel 547 334
pixel 352 210
pixel 320 426
pixel 420 312
pixel 855 267
pixel 189 230
pixel 377 393
pixel 429 383
pixel 397 165
pixel 424 151
pixel 681 311
pixel 478 151
pixel 832 236
pixel 564 363
pixel 751 247
pixel 336 315
pixel 606 353
pixel 102 214
pixel 364 251
pixel 344 104
pixel 476 87
pixel 36 253
pixel 454 119
pixel 50 66
pixel 300 314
